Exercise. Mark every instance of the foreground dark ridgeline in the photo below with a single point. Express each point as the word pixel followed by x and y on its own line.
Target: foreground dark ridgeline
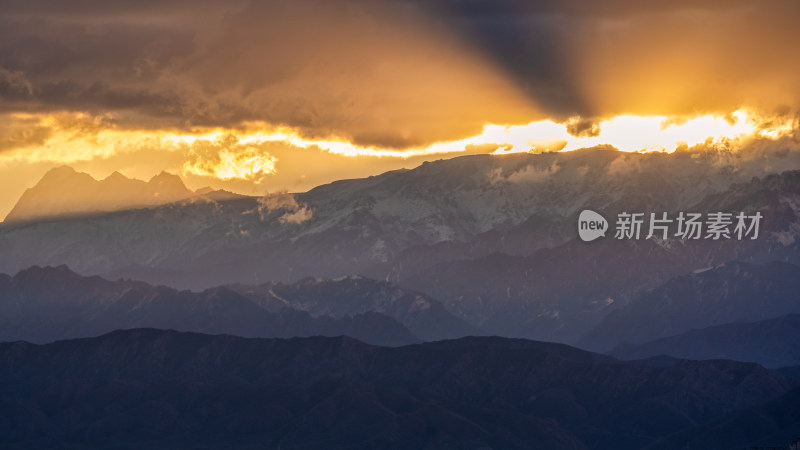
pixel 147 388
pixel 776 422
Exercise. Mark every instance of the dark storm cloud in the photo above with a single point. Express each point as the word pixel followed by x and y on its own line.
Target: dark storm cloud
pixel 87 62
pixel 377 73
pixel 600 58
pixel 393 73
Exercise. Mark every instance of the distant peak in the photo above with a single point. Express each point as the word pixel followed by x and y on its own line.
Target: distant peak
pixel 116 176
pixel 165 176
pixel 170 181
pixel 348 278
pixel 64 192
pixel 209 193
pixel 48 271
pixel 62 169
pixel 61 173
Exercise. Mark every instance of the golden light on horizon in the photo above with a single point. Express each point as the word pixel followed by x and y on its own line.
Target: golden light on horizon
pixel 227 154
pixel 249 164
pixel 631 133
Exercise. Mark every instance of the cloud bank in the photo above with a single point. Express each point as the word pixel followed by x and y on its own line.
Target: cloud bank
pixel 395 73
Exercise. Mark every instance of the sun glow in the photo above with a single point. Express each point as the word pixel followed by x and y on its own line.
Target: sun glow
pixel 635 133
pixel 628 133
pixel 249 164
pixel 242 153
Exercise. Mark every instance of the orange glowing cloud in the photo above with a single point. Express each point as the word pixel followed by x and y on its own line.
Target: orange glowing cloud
pixel 245 164
pixel 240 153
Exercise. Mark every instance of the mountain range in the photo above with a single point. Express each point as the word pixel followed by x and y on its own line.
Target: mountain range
pixel 63 192
pixel 47 304
pixel 51 303
pixel 395 224
pixel 385 292
pixel 147 388
pixel 728 293
pixel 493 239
pixel 561 292
pixel 424 316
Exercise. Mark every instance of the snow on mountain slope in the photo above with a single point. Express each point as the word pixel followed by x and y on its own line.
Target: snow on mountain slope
pixel 424 316
pixel 560 293
pixel 473 205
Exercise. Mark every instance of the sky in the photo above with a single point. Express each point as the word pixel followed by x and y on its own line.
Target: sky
pixel 260 96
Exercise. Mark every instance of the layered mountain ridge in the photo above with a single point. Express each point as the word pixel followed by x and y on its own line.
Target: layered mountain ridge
pixel 728 293
pixel 771 342
pixel 63 193
pixel 51 303
pixel 493 239
pixel 340 393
